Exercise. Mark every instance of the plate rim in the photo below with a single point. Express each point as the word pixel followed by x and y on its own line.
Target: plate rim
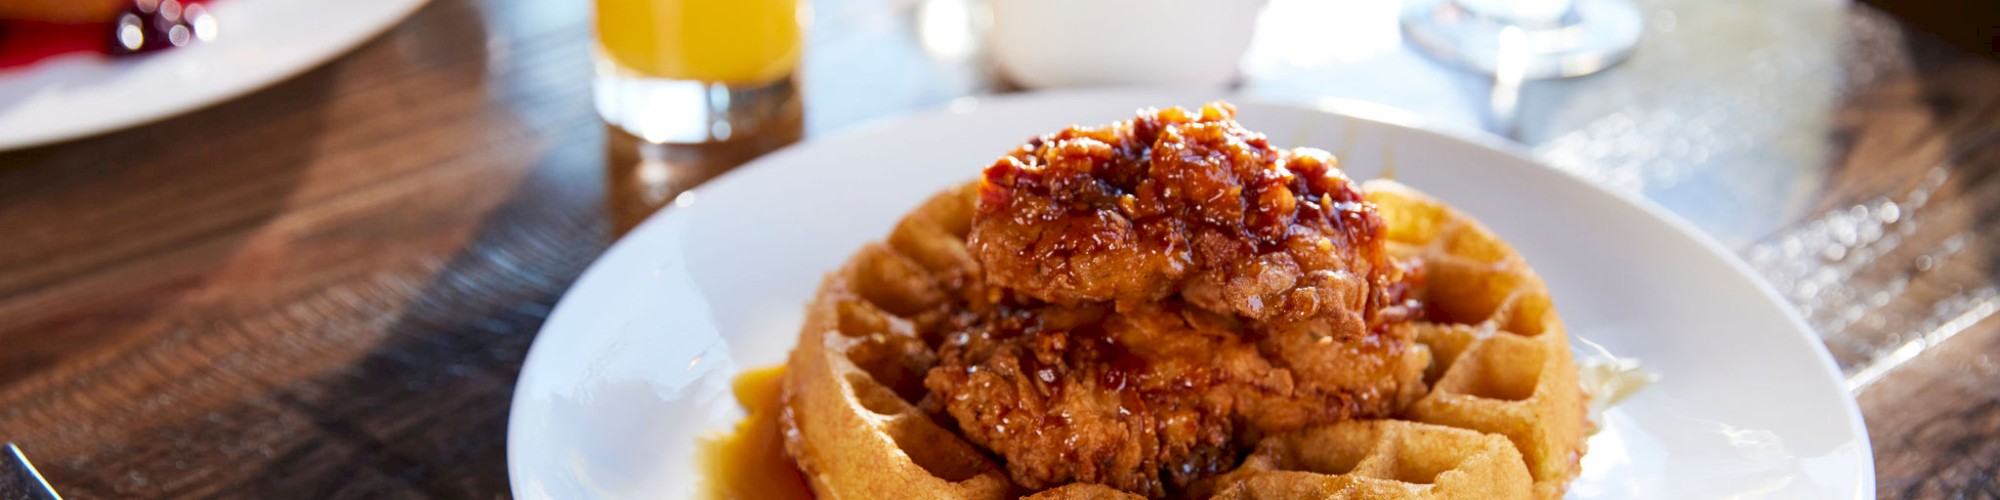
pixel 1378 114
pixel 284 70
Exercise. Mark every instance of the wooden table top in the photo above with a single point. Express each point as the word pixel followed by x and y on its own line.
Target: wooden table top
pixel 327 287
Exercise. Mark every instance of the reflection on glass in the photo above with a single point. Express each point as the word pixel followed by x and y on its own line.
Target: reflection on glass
pixel 644 175
pixel 1545 38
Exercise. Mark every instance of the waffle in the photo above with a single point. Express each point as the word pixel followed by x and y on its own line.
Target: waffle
pixel 1503 417
pixel 1503 388
pixel 1501 361
pixel 848 414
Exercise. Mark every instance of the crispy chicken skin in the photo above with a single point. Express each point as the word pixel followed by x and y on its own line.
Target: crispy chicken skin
pixel 1163 291
pixel 1173 203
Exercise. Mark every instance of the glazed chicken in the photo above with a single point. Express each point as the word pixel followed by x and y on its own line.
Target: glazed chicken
pixel 1161 293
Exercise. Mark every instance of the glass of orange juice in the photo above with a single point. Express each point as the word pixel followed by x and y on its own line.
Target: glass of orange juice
pixel 693 71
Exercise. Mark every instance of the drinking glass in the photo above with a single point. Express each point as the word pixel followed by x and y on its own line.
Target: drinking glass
pixel 696 71
pixel 1525 38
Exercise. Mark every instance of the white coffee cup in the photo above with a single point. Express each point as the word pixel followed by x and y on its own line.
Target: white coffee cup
pixel 1097 43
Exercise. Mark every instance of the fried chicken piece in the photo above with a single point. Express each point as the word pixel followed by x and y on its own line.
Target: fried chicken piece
pixel 1164 292
pixel 1151 399
pixel 1175 203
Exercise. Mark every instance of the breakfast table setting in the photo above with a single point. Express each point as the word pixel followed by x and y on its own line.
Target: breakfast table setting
pixel 305 251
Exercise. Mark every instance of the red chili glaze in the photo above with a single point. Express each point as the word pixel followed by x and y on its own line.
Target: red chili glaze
pixel 1163 291
pixel 1177 203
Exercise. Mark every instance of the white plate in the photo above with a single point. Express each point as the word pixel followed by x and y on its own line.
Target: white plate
pixel 257 43
pixel 635 361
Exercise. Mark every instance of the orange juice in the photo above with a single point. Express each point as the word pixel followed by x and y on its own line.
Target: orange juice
pixel 717 41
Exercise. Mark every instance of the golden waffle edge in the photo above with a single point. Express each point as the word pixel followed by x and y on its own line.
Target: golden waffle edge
pixel 1504 417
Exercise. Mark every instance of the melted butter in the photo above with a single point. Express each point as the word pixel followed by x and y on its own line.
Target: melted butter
pixel 750 463
pixel 1608 379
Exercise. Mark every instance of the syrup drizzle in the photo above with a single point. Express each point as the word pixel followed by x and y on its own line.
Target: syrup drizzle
pixel 751 463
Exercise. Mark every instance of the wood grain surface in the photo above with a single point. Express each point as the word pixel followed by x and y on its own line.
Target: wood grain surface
pixel 325 289
pixel 1934 418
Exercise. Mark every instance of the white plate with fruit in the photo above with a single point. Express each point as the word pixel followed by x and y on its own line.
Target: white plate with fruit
pixel 74 68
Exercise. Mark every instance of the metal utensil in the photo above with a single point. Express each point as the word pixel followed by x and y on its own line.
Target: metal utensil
pixel 20 480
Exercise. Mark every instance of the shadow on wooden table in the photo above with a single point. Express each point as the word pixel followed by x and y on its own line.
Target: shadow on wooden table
pixel 89 284
pixel 179 315
pixel 642 177
pixel 162 216
pixel 425 410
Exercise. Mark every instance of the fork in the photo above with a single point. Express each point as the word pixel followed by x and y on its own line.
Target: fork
pixel 19 480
